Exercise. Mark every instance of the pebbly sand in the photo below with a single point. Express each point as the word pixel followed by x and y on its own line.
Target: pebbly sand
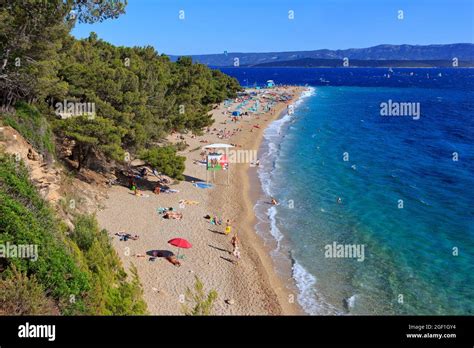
pixel 248 286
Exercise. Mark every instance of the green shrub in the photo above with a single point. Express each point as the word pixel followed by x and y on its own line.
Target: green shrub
pixel 81 273
pixel 165 160
pixel 114 295
pixel 181 146
pixel 202 302
pixel 33 126
pixel 20 295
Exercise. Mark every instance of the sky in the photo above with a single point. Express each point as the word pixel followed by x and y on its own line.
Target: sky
pixel 216 26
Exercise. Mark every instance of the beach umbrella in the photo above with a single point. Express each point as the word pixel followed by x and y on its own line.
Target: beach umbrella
pixel 180 243
pixel 218 146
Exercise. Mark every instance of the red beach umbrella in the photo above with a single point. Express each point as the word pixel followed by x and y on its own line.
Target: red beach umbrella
pixel 180 243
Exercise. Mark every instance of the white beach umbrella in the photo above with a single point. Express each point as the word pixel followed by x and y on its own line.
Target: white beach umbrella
pixel 218 146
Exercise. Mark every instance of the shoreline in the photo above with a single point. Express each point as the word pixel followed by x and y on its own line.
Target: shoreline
pixel 277 289
pixel 274 281
pixel 283 264
pixel 247 286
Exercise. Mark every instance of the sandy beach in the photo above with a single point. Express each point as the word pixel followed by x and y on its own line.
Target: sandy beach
pixel 245 286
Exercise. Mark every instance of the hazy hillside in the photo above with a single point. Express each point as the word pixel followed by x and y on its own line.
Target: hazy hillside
pixel 360 63
pixel 462 51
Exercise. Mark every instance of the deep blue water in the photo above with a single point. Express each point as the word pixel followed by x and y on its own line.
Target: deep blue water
pixel 419 256
pixel 400 77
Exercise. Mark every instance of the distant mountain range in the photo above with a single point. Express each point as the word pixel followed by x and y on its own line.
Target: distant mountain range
pixel 369 63
pixel 377 56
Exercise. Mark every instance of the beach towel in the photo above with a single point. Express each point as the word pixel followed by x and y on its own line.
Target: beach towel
pixel 162 210
pixel 202 185
pixel 169 190
pixel 188 202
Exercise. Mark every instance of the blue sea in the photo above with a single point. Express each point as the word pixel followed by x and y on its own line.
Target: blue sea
pixel 400 189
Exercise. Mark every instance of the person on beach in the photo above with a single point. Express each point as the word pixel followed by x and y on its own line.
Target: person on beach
pixel 236 253
pixel 173 215
pixel 274 201
pixel 126 236
pixel 217 221
pixel 228 227
pixel 234 241
pixel 131 182
pixel 137 192
pixel 173 260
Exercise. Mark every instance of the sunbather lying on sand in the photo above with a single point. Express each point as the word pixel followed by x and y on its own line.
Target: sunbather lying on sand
pixel 174 260
pixel 126 236
pixel 188 202
pixel 173 215
pixel 168 190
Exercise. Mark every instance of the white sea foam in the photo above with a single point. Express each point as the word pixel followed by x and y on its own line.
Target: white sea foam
pixel 305 281
pixel 351 301
pixel 308 298
pixel 274 129
pixel 274 230
pixel 272 135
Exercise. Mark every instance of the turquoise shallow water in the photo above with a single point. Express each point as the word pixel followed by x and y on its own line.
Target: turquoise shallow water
pixel 410 264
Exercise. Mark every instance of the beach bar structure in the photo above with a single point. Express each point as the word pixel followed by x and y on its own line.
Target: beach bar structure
pixel 217 159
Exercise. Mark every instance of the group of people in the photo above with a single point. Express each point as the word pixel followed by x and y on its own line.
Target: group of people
pixel 215 220
pixel 226 134
pixel 162 184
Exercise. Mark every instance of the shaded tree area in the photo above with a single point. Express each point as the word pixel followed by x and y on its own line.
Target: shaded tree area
pixel 139 95
pixel 32 33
